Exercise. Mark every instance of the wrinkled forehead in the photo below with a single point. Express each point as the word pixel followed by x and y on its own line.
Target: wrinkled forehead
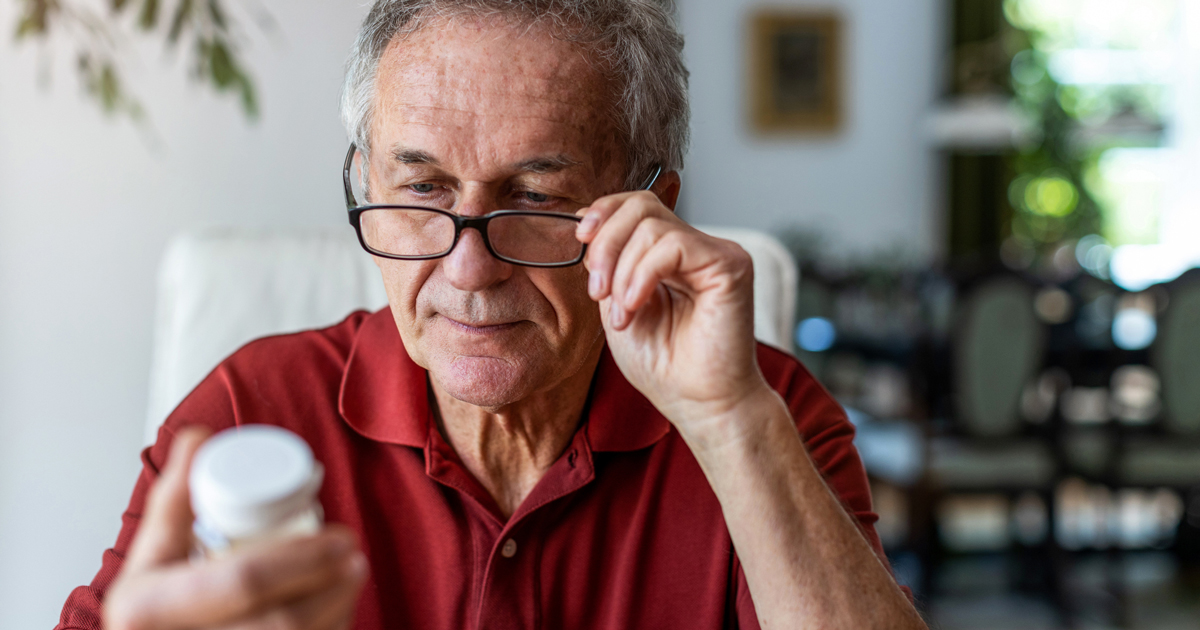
pixel 492 78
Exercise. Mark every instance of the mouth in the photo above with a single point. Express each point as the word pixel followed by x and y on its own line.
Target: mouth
pixel 480 328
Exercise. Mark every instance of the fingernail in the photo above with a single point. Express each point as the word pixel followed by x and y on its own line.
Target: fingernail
pixel 629 295
pixel 589 222
pixel 616 315
pixel 356 566
pixel 594 283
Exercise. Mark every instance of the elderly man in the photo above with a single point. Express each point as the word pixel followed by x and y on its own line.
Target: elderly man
pixel 562 420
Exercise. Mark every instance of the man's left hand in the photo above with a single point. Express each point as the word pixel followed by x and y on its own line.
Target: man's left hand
pixel 678 310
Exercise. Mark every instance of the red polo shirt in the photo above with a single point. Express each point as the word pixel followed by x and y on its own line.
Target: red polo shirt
pixel 622 532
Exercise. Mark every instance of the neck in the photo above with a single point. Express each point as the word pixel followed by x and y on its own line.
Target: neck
pixel 510 448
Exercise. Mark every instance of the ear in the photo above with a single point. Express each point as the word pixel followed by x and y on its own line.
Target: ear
pixel 667 188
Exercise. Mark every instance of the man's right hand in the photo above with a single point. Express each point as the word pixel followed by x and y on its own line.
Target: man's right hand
pixel 309 583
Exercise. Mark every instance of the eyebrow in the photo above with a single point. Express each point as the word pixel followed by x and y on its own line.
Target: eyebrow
pixel 541 164
pixel 547 164
pixel 413 156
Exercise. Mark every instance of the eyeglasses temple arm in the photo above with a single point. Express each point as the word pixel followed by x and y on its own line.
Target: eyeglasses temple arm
pixel 350 202
pixel 653 178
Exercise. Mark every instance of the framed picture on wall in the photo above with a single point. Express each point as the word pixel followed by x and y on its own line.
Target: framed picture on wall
pixel 795 71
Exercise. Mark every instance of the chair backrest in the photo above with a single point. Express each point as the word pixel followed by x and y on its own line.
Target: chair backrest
pixel 1176 355
pixel 997 349
pixel 776 281
pixel 218 289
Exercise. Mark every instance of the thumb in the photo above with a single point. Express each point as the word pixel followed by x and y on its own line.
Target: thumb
pixel 165 533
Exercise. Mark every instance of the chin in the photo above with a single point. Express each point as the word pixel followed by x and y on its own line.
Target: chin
pixel 487 382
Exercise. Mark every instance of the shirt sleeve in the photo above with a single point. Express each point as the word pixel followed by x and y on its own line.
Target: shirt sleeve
pixel 209 405
pixel 828 437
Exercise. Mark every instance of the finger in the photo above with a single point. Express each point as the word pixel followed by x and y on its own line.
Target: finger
pixel 612 235
pixel 165 532
pixel 241 585
pixel 660 262
pixel 329 609
pixel 596 214
pixel 336 609
pixel 645 236
pixel 690 262
pixel 613 219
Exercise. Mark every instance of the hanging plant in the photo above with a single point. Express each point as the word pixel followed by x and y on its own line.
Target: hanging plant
pixel 202 26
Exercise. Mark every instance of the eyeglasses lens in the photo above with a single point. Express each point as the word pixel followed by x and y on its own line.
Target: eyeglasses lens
pixel 407 232
pixel 535 239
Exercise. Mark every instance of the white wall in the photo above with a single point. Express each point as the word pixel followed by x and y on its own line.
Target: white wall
pixel 87 205
pixel 869 187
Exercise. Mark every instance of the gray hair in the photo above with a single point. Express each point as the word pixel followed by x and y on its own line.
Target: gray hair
pixel 636 41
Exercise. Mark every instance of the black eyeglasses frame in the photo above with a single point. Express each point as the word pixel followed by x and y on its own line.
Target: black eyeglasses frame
pixel 460 222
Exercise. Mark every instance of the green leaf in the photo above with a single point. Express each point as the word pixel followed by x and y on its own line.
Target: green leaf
pixel 109 88
pixel 183 14
pixel 218 14
pixel 26 27
pixel 221 65
pixel 101 81
pixel 218 63
pixel 148 16
pixel 36 18
pixel 249 98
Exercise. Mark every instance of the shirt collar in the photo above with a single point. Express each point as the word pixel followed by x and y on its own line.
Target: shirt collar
pixel 384 396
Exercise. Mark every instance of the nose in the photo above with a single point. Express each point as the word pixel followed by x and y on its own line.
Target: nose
pixel 471 267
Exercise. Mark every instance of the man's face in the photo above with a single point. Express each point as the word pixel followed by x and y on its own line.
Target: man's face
pixel 476 116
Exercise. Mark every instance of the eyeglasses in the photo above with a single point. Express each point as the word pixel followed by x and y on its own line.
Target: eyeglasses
pixel 520 237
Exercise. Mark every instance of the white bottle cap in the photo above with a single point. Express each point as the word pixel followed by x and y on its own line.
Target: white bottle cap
pixel 246 480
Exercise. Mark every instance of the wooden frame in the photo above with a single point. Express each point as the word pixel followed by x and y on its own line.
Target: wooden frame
pixel 795 71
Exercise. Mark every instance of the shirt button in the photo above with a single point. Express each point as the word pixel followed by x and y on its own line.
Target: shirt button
pixel 509 549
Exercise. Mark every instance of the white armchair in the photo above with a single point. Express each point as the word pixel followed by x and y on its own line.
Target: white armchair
pixel 218 289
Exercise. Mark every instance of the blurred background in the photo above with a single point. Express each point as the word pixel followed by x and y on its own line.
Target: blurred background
pixel 991 202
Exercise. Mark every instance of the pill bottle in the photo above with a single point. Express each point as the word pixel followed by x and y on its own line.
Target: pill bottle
pixel 253 483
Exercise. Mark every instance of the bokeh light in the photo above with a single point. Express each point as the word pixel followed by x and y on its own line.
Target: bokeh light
pixel 1133 329
pixel 1053 305
pixel 816 334
pixel 1051 196
pixel 1094 254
